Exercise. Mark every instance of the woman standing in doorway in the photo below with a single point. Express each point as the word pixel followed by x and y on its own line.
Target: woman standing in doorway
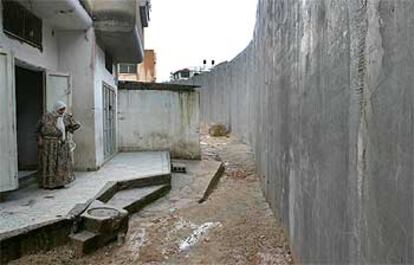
pixel 55 143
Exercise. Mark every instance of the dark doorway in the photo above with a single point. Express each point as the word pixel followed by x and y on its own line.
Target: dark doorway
pixel 29 109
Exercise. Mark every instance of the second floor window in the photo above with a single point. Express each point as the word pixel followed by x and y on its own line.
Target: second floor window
pixel 20 23
pixel 128 68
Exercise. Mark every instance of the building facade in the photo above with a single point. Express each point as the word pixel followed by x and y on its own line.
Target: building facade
pixel 144 72
pixel 53 50
pixel 184 74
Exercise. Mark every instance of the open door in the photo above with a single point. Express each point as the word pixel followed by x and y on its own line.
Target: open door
pixel 8 143
pixel 58 87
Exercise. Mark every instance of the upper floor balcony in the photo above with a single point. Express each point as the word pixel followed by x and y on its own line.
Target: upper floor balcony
pixel 118 24
pixel 119 27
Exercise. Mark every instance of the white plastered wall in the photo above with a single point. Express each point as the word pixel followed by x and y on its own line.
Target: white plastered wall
pixel 101 75
pixel 77 58
pixel 83 57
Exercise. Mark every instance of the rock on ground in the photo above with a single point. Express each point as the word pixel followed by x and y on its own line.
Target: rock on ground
pixel 218 130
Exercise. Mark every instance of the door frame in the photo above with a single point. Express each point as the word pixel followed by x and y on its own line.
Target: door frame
pixel 27 66
pixel 13 182
pixel 105 86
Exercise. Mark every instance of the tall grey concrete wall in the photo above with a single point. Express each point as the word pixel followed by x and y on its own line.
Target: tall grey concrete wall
pixel 324 95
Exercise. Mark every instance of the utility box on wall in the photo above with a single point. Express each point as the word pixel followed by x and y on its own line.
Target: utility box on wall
pixel 158 117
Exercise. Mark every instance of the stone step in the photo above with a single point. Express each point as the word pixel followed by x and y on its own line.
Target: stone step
pixel 134 200
pixel 100 224
pixel 104 222
pixel 111 188
pixel 105 219
pixel 27 178
pixel 84 242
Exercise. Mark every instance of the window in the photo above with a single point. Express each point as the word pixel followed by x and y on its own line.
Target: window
pixel 108 62
pixel 20 23
pixel 127 68
pixel 144 13
pixel 185 74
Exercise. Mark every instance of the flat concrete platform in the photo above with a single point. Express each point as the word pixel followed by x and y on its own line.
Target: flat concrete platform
pixel 187 189
pixel 31 206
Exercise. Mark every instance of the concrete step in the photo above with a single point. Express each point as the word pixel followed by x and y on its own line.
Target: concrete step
pixel 104 222
pixel 111 188
pixel 84 242
pixel 105 219
pixel 100 224
pixel 213 183
pixel 134 200
pixel 27 178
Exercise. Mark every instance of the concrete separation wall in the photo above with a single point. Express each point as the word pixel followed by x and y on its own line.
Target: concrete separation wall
pixel 155 117
pixel 324 96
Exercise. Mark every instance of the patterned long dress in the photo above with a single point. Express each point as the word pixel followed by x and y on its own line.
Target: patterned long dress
pixel 55 158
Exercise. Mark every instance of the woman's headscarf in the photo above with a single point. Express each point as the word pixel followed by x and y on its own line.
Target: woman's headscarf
pixel 60 124
pixel 57 106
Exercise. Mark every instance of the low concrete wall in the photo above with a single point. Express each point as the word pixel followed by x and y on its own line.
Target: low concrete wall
pixel 159 118
pixel 324 96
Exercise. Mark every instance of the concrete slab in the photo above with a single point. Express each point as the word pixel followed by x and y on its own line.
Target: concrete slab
pixel 187 189
pixel 84 242
pixel 32 206
pixel 133 200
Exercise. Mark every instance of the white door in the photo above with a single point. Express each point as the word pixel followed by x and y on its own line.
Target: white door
pixel 8 141
pixel 58 87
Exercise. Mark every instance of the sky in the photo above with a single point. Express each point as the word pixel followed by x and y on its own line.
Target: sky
pixel 185 32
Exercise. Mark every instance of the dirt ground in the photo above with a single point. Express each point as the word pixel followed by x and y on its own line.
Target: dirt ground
pixel 234 226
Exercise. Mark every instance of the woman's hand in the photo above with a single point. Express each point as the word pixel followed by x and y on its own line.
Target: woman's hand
pixel 72 128
pixel 39 141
